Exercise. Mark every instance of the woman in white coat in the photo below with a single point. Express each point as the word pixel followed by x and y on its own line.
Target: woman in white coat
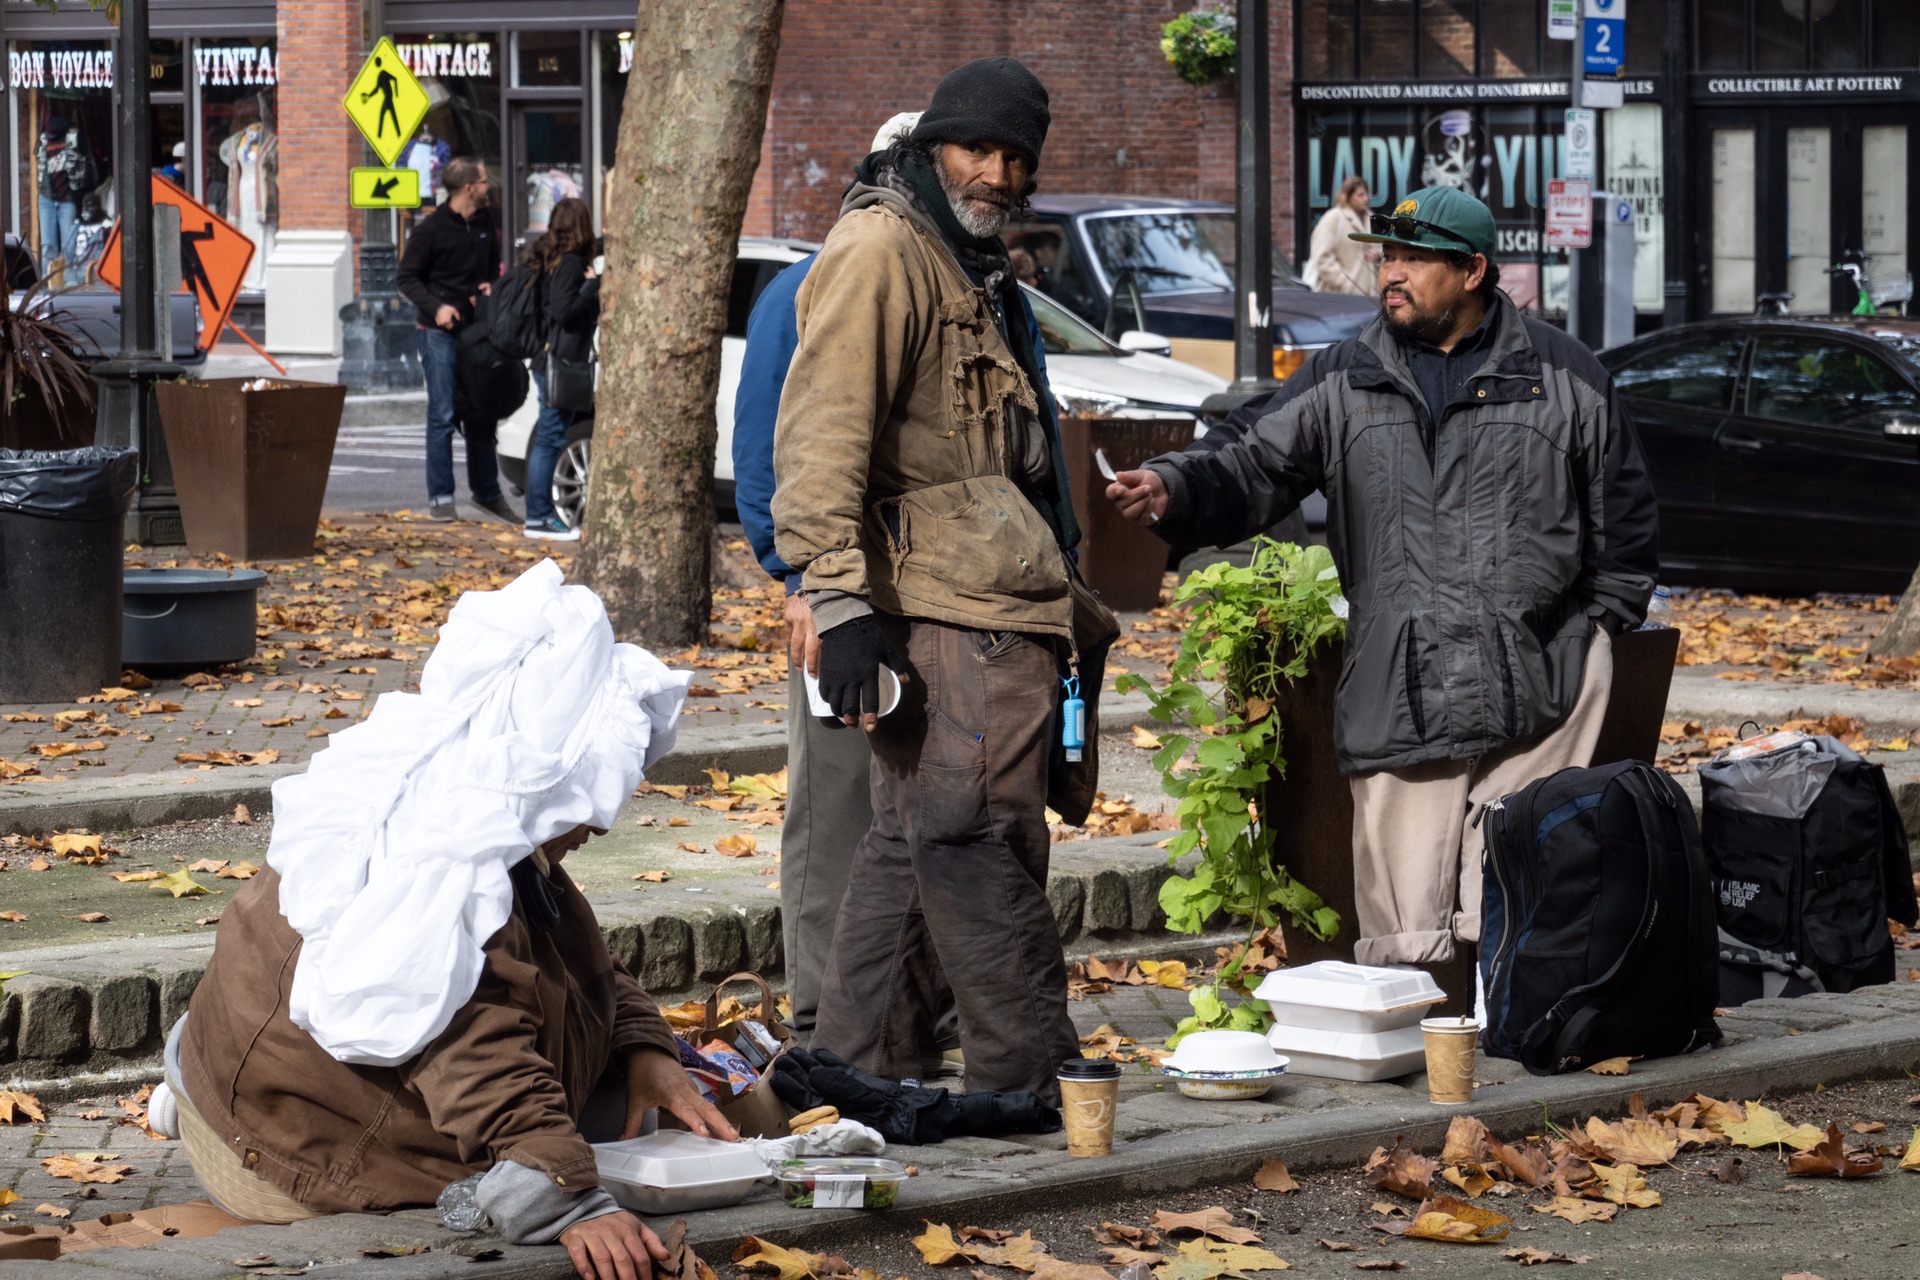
pixel 1336 264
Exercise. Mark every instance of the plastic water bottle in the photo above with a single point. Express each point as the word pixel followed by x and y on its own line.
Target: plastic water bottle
pixel 1659 611
pixel 460 1207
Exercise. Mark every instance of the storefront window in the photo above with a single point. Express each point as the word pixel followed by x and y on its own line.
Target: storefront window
pixel 1733 275
pixel 167 110
pixel 239 139
pixel 615 51
pixel 1837 35
pixel 1446 39
pixel 1646 36
pixel 458 73
pixel 1779 35
pixel 546 58
pixel 1720 33
pixel 1809 219
pixel 1326 40
pixel 1386 39
pixel 1896 35
pixel 63 92
pixel 1883 208
pixel 1509 38
pixel 1635 174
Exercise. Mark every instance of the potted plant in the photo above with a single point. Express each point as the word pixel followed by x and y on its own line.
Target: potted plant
pixel 1200 45
pixel 250 460
pixel 1254 636
pixel 45 386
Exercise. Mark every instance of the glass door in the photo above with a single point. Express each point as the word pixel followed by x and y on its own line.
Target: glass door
pixel 549 150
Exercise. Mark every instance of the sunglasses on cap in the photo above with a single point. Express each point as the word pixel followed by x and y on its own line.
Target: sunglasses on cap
pixel 1402 228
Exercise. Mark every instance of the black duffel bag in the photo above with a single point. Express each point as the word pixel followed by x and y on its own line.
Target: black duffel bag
pixel 1809 862
pixel 1597 926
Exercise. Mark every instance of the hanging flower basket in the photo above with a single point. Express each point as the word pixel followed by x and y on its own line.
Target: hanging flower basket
pixel 1200 45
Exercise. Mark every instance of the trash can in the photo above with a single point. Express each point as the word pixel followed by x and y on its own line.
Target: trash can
pixel 60 528
pixel 1122 561
pixel 188 619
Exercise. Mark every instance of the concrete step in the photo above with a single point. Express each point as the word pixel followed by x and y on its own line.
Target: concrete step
pixel 84 1013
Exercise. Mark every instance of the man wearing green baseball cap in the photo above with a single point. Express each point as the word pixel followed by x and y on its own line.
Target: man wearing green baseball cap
pixel 1494 526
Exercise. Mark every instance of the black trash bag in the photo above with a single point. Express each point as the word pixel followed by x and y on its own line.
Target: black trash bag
pixel 94 483
pixel 911 1114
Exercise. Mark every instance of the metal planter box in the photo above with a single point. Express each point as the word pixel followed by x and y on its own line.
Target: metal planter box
pixel 250 465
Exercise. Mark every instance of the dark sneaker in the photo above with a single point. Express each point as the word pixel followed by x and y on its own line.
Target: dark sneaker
pixel 499 509
pixel 442 509
pixel 553 529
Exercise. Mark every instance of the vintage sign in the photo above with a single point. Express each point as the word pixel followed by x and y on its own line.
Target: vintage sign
pixel 213 259
pixel 235 65
pixel 442 59
pixel 384 188
pixel 386 102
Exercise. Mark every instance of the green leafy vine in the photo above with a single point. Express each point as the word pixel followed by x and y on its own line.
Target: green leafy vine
pixel 1248 630
pixel 1200 45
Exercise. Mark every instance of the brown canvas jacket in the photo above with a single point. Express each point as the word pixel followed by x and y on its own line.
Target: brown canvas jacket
pixel 505 1081
pixel 893 454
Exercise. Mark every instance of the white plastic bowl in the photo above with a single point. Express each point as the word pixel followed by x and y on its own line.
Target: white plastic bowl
pixel 1351 1055
pixel 1224 1051
pixel 676 1172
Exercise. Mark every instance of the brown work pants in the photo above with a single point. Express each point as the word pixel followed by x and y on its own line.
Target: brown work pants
pixel 1416 852
pixel 957 855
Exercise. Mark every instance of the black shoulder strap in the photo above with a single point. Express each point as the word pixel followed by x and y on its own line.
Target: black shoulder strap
pixel 1902 904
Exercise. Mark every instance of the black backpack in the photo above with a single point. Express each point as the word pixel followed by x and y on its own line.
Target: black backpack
pixel 517 316
pixel 1809 861
pixel 489 384
pixel 1597 928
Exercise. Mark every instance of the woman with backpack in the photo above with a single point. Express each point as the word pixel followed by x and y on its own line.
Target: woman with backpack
pixel 563 378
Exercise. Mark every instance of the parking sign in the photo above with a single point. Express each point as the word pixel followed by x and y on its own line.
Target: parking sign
pixel 1569 214
pixel 1605 45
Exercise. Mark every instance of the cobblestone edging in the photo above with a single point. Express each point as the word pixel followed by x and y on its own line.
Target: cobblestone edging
pixel 93 1008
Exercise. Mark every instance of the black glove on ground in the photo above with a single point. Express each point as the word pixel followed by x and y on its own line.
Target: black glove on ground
pixel 850 658
pixel 911 1114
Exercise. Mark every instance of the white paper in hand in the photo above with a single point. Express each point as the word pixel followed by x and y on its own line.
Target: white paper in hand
pixel 1106 468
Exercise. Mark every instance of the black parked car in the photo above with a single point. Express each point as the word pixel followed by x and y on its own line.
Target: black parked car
pixel 1166 267
pixel 1785 451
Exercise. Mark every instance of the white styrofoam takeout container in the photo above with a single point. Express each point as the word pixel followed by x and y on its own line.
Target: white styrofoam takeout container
pixel 676 1172
pixel 1351 1055
pixel 1333 995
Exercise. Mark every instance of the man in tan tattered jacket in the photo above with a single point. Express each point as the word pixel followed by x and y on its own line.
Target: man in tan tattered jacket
pixel 921 491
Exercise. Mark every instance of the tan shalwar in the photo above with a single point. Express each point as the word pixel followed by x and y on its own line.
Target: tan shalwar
pixel 1416 852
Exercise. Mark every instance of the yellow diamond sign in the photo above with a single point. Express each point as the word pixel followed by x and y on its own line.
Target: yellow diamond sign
pixel 386 101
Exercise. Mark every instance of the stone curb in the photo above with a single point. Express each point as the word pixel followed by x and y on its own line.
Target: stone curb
pixel 1011 1189
pixel 83 1011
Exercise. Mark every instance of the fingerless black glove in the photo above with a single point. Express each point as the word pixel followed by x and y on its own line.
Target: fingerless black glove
pixel 851 655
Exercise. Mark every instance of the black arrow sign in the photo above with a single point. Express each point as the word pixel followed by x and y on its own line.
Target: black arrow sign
pixel 384 188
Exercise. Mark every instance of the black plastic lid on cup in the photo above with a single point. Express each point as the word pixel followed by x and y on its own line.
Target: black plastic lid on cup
pixel 1089 1069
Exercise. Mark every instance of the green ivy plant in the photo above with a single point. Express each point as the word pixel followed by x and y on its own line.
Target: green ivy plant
pixel 1200 45
pixel 1247 630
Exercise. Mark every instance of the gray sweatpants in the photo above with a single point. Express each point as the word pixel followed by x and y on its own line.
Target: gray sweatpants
pixel 828 811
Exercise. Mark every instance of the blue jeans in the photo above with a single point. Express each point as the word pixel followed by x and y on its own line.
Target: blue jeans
pixel 59 221
pixel 440 359
pixel 549 440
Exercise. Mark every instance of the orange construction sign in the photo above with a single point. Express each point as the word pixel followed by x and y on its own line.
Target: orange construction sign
pixel 213 258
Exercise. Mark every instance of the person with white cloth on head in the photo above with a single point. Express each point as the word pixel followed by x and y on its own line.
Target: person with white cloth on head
pixel 414 992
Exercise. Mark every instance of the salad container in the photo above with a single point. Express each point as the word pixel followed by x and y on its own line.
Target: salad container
pixel 840 1182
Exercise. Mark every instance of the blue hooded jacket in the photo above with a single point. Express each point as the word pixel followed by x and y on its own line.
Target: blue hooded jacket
pixel 773 335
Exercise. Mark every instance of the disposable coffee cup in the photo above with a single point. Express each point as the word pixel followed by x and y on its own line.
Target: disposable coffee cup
pixel 889 694
pixel 1452 1045
pixel 1089 1096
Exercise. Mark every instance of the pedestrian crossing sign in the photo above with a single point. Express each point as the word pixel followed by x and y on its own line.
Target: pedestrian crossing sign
pixel 387 102
pixel 385 188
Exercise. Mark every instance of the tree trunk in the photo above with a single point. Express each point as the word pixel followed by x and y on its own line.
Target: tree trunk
pixel 1900 638
pixel 689 141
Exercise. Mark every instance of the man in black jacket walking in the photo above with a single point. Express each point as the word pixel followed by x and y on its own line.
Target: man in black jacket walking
pixel 452 258
pixel 1494 525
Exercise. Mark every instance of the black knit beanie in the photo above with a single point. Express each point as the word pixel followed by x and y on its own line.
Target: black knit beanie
pixel 989 100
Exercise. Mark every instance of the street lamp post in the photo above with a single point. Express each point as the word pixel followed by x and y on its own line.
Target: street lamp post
pixel 1253 217
pixel 126 415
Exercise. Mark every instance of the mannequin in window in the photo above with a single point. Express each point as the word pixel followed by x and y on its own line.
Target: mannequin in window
pixel 65 172
pixel 251 154
pixel 425 154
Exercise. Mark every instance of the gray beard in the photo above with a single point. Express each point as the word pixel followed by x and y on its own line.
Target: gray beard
pixel 980 220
